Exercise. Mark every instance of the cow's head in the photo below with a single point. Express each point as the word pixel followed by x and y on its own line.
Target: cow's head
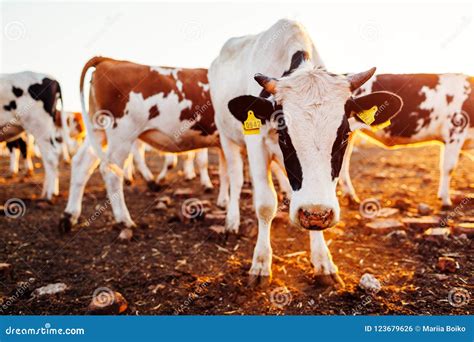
pixel 315 112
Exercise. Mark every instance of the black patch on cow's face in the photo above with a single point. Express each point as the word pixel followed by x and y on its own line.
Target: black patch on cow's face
pixel 17 91
pixel 290 157
pixel 240 106
pixel 298 57
pixel 19 144
pixel 46 92
pixel 339 147
pixel 10 106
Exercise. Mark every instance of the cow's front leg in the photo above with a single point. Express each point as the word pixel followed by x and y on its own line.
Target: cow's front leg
pixel 326 272
pixel 50 157
pixel 223 197
pixel 265 201
pixel 236 179
pixel 112 173
pixel 449 158
pixel 188 165
pixel 14 161
pixel 202 162
pixel 138 151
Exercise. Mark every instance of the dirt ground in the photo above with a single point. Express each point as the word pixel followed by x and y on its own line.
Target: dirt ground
pixel 175 267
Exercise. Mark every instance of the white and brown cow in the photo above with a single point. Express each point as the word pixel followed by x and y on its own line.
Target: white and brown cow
pixel 300 120
pixel 168 108
pixel 28 103
pixel 437 107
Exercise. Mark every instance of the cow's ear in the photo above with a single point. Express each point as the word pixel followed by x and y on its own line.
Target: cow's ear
pixel 374 109
pixel 242 105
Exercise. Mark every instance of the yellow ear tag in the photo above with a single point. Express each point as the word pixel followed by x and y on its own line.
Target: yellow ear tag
pixel 252 124
pixel 368 116
pixel 381 126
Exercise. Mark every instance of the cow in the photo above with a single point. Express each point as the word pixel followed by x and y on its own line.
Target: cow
pixel 73 132
pixel 28 103
pixel 22 145
pixel 168 108
pixel 437 108
pixel 301 120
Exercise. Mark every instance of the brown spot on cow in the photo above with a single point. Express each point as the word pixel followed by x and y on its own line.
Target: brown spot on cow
pixel 154 112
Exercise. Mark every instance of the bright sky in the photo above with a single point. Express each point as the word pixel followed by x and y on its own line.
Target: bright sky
pixel 59 37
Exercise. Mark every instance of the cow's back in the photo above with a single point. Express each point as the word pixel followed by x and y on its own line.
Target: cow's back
pixel 429 103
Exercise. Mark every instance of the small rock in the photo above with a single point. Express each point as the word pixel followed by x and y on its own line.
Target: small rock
pixel 369 283
pixel 218 229
pixel 5 270
pixel 161 206
pixel 166 200
pixel 464 228
pixel 401 204
pixel 440 276
pixel 183 192
pixel 421 223
pixel 216 215
pixel 438 231
pixel 386 212
pixel 50 289
pixel 447 264
pixel 384 225
pixel 107 302
pixel 424 209
pixel 398 234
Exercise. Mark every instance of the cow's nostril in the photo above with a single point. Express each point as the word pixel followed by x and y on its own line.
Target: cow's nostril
pixel 316 218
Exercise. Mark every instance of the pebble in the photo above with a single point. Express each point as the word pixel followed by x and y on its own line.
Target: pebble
pixel 401 204
pixel 107 303
pixel 398 234
pixel 166 200
pixel 386 212
pixel 424 209
pixel 183 192
pixel 50 289
pixel 217 228
pixel 384 225
pixel 161 206
pixel 422 223
pixel 447 264
pixel 437 232
pixel 369 283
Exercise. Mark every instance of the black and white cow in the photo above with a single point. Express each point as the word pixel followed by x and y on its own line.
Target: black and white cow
pixel 437 107
pixel 28 104
pixel 301 120
pixel 22 145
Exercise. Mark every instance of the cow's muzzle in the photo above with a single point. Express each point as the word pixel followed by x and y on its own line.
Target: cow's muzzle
pixel 316 218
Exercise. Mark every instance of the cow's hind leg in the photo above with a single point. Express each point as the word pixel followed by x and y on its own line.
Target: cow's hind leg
pixel 28 155
pixel 83 165
pixel 188 165
pixel 202 162
pixel 448 160
pixel 50 152
pixel 170 161
pixel 112 173
pixel 265 201
pixel 14 159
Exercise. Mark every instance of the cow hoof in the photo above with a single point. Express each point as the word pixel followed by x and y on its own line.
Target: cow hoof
pixel 327 280
pixel 256 280
pixel 153 186
pixel 65 223
pixel 208 190
pixel 128 182
pixel 28 174
pixel 126 234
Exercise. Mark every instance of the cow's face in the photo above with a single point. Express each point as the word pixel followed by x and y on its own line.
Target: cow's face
pixel 313 109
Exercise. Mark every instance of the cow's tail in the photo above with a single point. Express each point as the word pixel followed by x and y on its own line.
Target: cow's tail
pixel 92 63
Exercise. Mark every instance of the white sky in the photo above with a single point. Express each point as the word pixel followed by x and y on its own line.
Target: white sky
pixel 59 37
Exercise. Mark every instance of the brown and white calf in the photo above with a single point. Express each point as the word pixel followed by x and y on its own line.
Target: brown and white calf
pixel 437 107
pixel 301 120
pixel 28 102
pixel 168 108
